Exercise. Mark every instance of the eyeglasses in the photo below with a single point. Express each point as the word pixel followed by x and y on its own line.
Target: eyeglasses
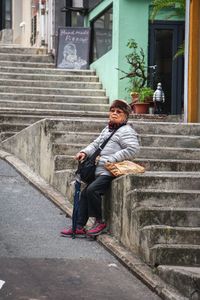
pixel 117 111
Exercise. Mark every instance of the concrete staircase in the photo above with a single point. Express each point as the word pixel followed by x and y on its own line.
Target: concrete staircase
pixel 161 208
pixel 165 200
pixel 32 89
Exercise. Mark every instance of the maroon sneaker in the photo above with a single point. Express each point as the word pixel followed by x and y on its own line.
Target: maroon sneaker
pixel 97 229
pixel 81 232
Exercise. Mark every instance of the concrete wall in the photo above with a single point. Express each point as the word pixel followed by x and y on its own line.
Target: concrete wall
pixel 128 19
pixel 33 146
pixel 21 11
pixel 17 19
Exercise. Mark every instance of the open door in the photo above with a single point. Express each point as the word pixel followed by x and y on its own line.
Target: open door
pixel 164 41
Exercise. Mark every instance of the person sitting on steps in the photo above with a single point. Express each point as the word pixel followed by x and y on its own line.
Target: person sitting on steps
pixel 123 145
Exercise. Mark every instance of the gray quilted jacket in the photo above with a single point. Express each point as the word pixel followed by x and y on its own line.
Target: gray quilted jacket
pixel 122 145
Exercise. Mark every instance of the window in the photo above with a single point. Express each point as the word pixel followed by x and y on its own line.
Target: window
pixel 102 34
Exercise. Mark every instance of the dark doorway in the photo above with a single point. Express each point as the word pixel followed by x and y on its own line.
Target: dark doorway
pixel 5 14
pixel 165 39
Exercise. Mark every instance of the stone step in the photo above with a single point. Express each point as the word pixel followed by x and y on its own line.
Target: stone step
pixel 184 279
pixel 46 90
pixel 20 119
pixel 141 127
pixel 167 198
pixel 160 234
pixel 26 58
pixel 22 50
pixel 63 161
pixel 165 180
pixel 47 77
pixel 54 98
pixel 170 216
pixel 63 182
pixel 12 127
pixel 6 135
pixel 43 71
pixel 182 255
pixel 151 140
pixel 32 118
pixel 51 84
pixel 55 106
pixel 165 128
pixel 169 165
pixel 146 154
pixel 53 113
pixel 179 141
pixel 20 65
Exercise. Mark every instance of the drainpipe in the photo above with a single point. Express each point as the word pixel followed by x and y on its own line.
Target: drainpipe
pixel 187 29
pixel 42 22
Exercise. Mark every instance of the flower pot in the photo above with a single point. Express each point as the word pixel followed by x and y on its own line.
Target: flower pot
pixel 135 97
pixel 140 108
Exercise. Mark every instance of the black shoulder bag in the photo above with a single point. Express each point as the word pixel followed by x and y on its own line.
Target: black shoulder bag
pixel 86 168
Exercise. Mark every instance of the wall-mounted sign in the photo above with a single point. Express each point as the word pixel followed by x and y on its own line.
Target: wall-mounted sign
pixel 73 48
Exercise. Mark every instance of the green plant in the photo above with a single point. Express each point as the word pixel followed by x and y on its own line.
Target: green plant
pixel 137 74
pixel 146 94
pixel 178 7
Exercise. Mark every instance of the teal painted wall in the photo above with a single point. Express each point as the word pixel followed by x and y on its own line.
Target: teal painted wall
pixel 133 23
pixel 106 65
pixel 130 20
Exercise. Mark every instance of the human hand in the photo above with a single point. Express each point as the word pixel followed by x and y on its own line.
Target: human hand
pixel 80 156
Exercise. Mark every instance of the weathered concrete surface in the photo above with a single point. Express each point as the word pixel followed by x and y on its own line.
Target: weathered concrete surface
pixel 36 263
pixel 131 260
pixel 187 277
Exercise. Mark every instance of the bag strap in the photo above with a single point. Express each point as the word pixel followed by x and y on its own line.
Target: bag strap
pixel 105 142
pixel 100 148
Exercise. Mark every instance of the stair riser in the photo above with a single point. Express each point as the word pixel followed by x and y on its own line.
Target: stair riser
pixel 52 98
pixel 22 50
pixel 165 182
pixel 168 236
pixel 42 71
pixel 148 199
pixel 13 119
pixel 167 129
pixel 186 283
pixel 176 257
pixel 5 135
pixel 150 237
pixel 26 58
pixel 155 142
pixel 51 84
pixel 140 127
pixel 47 78
pixel 46 91
pixel 21 65
pixel 165 141
pixel 167 153
pixel 56 106
pixel 175 166
pixel 65 150
pixel 54 113
pixel 184 218
pixel 62 162
pixel 12 127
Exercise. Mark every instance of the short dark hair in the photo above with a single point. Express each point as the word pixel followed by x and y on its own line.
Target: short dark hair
pixel 121 104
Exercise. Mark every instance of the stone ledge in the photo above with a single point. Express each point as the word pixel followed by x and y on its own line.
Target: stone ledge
pixel 129 259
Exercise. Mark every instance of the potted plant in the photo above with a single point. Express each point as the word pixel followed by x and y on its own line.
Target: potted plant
pixel 138 76
pixel 144 101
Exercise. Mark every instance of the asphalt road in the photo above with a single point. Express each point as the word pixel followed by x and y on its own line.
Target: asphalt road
pixel 37 264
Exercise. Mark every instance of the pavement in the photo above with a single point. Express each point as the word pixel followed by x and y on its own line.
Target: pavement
pixel 36 263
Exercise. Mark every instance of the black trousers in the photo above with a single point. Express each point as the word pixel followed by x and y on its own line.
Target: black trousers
pixel 91 199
